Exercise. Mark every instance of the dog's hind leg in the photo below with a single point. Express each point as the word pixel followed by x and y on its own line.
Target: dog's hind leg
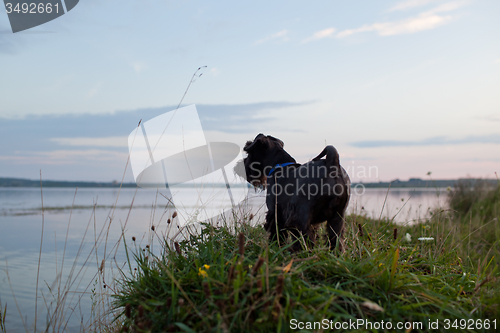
pixel 335 226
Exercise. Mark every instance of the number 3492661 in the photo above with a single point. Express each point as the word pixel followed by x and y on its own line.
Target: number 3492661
pixel 31 8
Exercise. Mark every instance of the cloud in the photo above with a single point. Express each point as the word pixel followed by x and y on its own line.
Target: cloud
pixel 51 132
pixel 492 138
pixel 37 132
pixel 139 66
pixel 242 118
pixel 320 35
pixel 283 35
pixel 411 4
pixel 490 117
pixel 65 157
pixel 424 21
pixel 96 145
pixel 214 71
pixel 110 141
pixel 94 90
pixel 227 118
pixel 481 160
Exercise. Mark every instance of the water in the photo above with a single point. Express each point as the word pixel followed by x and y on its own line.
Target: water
pixel 87 235
pixel 402 205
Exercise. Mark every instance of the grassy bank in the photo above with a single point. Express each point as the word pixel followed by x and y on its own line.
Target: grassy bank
pixel 232 280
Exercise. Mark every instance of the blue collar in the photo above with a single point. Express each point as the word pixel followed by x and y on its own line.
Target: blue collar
pixel 278 166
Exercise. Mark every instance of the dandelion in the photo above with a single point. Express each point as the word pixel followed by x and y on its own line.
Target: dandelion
pixel 202 272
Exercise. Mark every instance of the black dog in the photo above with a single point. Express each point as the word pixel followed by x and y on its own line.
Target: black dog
pixel 298 196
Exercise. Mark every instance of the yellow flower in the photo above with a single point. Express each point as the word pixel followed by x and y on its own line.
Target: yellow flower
pixel 202 272
pixel 206 266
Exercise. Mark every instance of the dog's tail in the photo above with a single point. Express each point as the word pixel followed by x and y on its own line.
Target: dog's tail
pixel 332 156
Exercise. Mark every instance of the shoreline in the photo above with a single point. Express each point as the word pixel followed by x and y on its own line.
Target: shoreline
pixel 412 183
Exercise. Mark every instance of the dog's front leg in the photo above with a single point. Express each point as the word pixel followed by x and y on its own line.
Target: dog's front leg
pixel 303 234
pixel 274 229
pixel 300 239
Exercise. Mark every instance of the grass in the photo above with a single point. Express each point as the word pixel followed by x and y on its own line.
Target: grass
pixel 3 312
pixel 230 279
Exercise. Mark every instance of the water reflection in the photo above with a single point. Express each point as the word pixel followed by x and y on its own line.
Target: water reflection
pixel 96 233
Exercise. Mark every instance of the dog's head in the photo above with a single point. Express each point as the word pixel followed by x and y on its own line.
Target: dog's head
pixel 261 154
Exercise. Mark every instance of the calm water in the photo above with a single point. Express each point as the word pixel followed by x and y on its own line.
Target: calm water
pixel 75 233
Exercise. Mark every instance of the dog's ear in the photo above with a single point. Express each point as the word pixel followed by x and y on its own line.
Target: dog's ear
pixel 278 141
pixel 239 169
pixel 256 142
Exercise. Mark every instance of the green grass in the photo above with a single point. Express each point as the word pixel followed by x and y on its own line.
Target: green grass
pixel 254 286
pixel 3 312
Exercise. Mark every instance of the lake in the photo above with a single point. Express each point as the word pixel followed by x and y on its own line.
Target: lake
pixel 82 228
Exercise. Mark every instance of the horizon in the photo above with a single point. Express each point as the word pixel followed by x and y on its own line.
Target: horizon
pixel 222 183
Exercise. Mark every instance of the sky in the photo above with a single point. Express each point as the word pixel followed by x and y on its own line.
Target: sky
pixel 400 88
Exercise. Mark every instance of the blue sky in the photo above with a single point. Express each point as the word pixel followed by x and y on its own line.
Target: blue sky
pixel 406 86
